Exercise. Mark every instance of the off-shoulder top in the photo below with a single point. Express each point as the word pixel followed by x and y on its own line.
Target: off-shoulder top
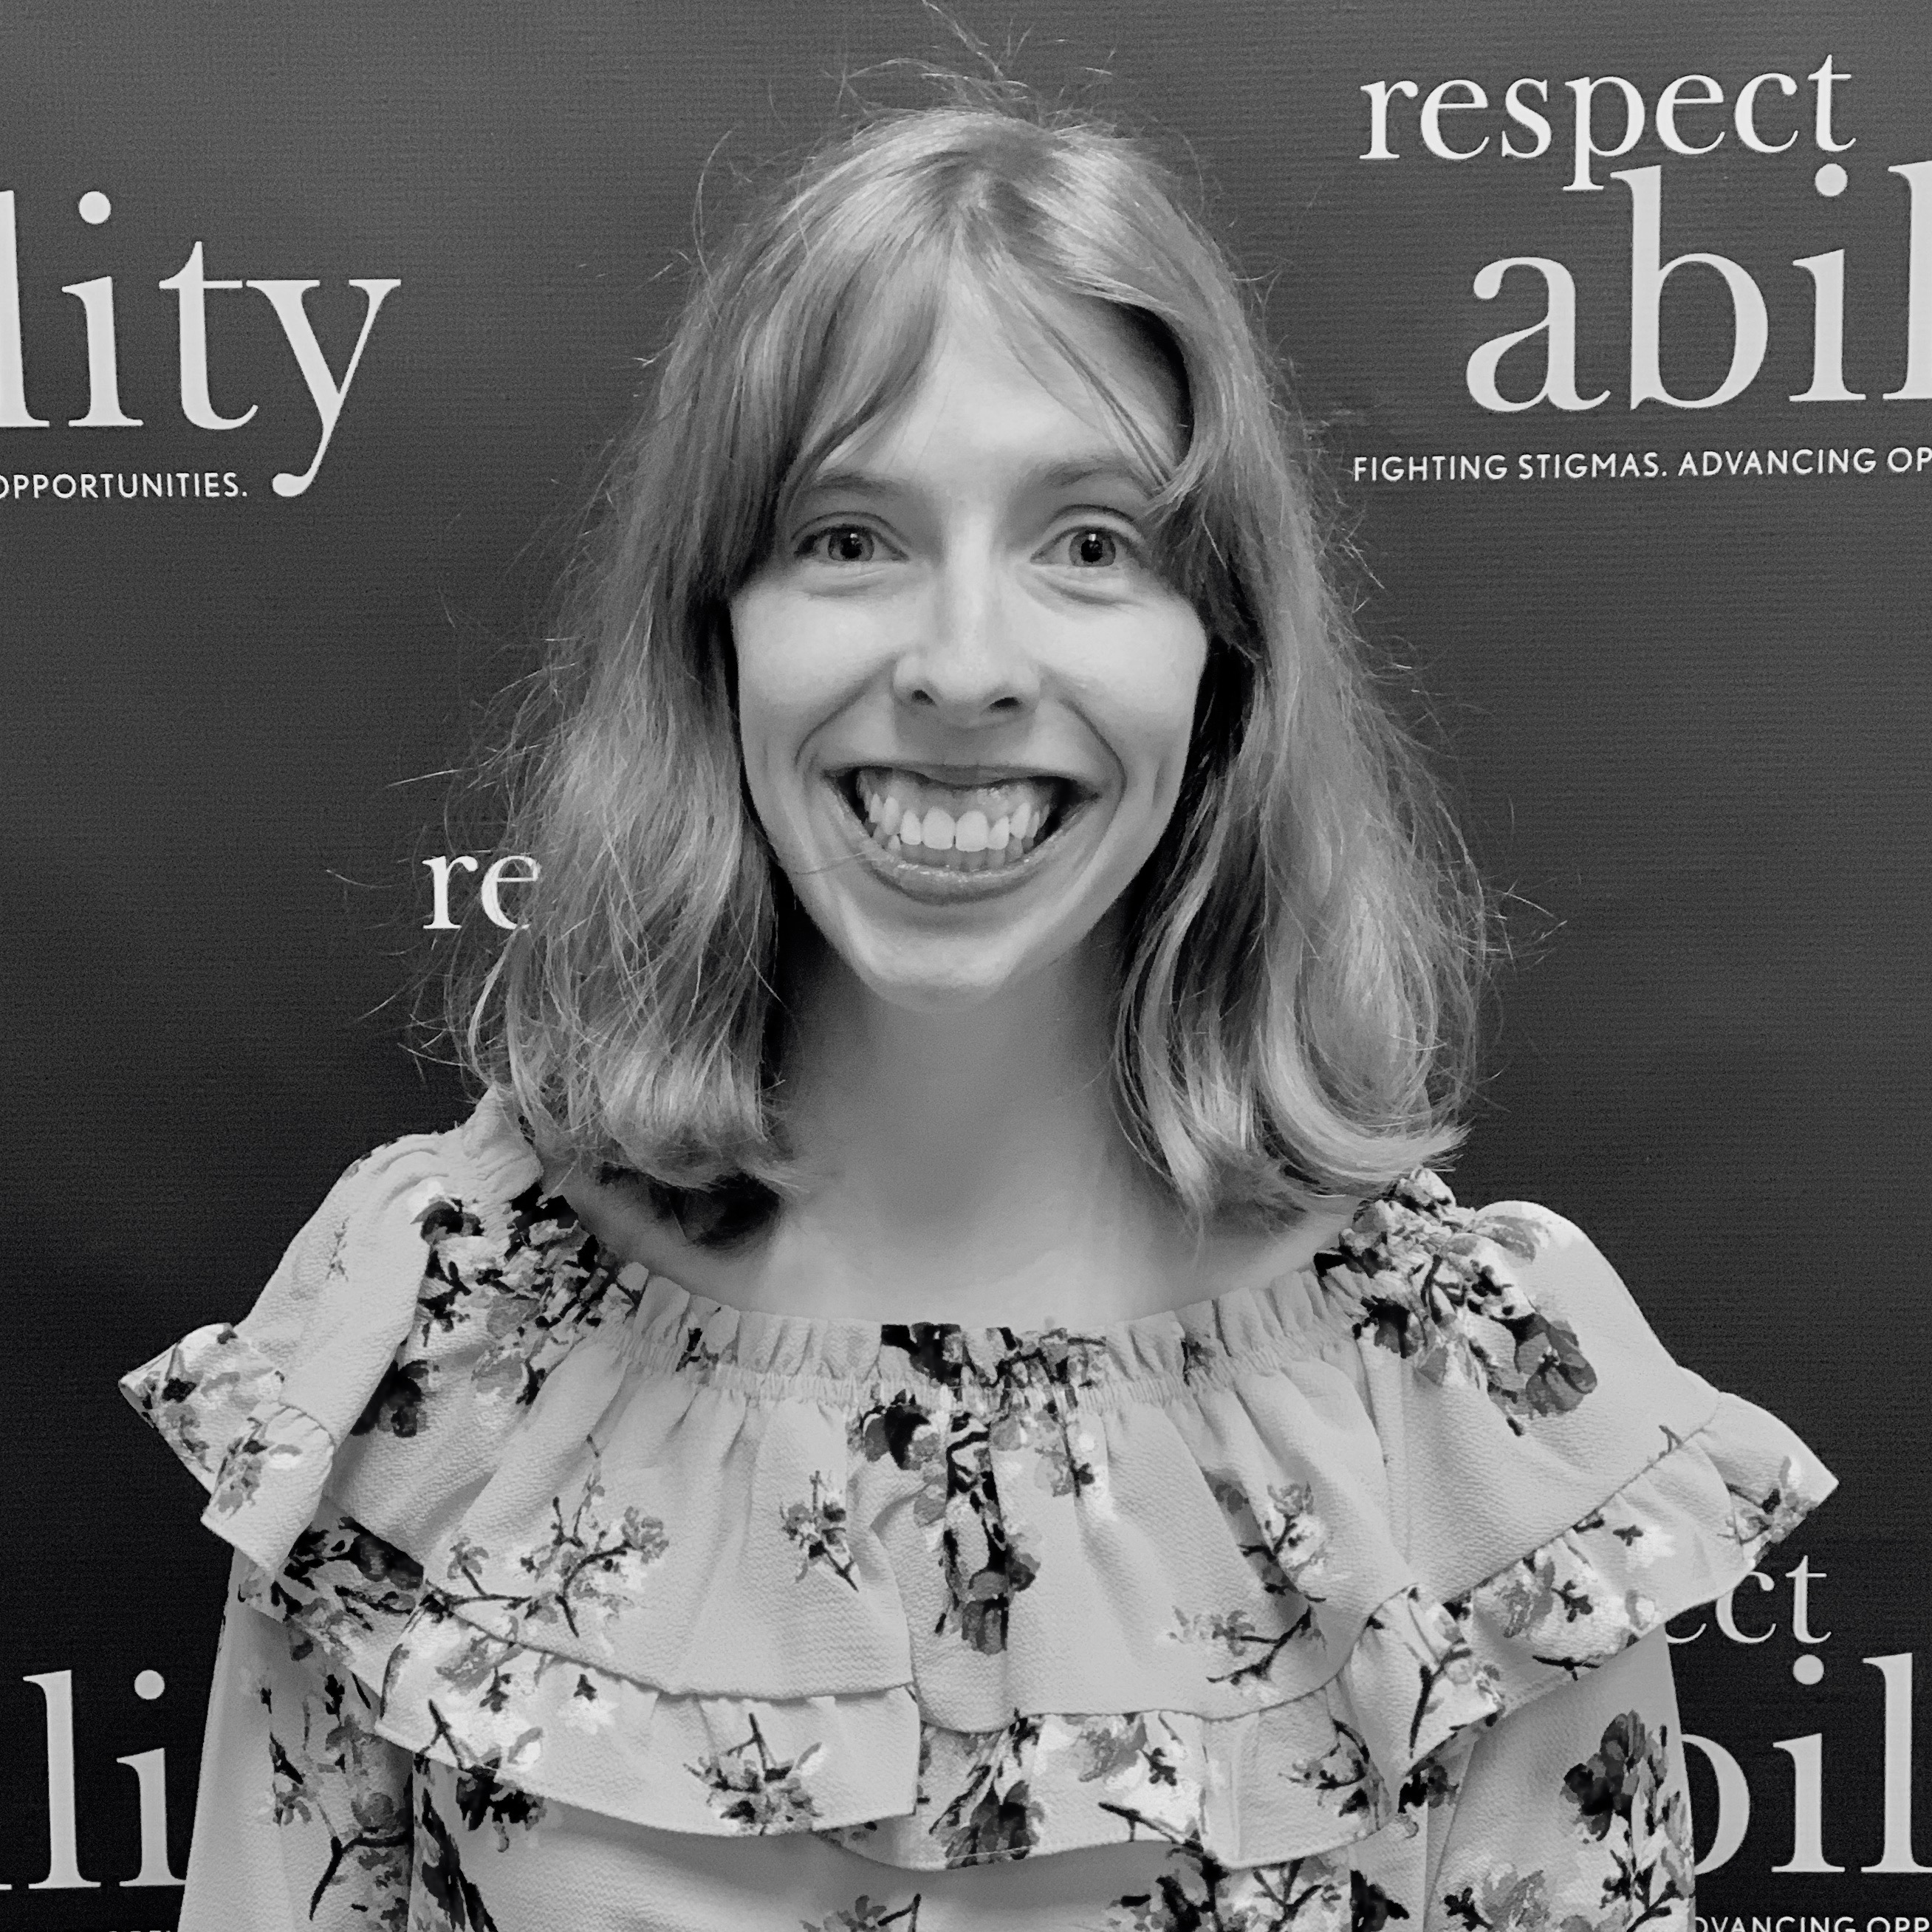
pixel 564 1598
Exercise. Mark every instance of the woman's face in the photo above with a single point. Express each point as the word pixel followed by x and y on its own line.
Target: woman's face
pixel 965 693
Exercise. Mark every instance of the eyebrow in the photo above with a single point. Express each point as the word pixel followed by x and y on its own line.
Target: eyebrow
pixel 1064 473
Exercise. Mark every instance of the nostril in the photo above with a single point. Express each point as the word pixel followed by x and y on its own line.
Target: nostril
pixel 967 693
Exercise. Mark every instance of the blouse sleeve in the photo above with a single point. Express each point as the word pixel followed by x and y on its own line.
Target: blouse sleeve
pixel 1573 1814
pixel 303 1813
pixel 314 1810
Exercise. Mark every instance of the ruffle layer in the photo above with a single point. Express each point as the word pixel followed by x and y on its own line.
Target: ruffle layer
pixel 961 1596
pixel 1291 1778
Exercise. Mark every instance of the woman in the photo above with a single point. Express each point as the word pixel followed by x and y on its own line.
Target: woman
pixel 933 1390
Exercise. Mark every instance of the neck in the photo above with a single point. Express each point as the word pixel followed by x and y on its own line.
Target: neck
pixel 981 1134
pixel 965 1168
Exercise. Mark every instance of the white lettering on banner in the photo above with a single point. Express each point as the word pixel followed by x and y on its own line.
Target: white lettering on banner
pixel 1584 148
pixel 1828 330
pixel 1809 1783
pixel 439 870
pixel 1608 117
pixel 1802 1579
pixel 103 388
pixel 1745 119
pixel 13 412
pixel 1727 1610
pixel 1379 92
pixel 286 298
pixel 1813 1921
pixel 1897 1855
pixel 1750 326
pixel 490 887
pixel 1674 97
pixel 56 1687
pixel 1524 116
pixel 1733 1801
pixel 1557 328
pixel 190 285
pixel 496 879
pixel 1623 466
pixel 1808 1807
pixel 1438 104
pixel 95 486
pixel 150 1769
pixel 1917 386
pixel 1585 145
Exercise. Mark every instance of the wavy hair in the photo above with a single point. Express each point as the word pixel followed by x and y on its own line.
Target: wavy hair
pixel 1304 953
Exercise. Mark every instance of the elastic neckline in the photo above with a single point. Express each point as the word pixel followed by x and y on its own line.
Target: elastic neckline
pixel 1288 1317
pixel 1266 1327
pixel 1209 1314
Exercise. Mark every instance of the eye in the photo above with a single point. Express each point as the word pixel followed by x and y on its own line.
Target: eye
pixel 1090 547
pixel 841 543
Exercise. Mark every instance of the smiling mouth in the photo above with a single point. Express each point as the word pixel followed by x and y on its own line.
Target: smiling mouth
pixel 943 827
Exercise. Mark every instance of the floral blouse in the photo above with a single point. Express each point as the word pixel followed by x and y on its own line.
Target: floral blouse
pixel 563 1598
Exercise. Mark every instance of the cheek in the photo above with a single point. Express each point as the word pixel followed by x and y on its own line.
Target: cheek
pixel 781 685
pixel 757 625
pixel 1149 692
pixel 765 703
pixel 799 661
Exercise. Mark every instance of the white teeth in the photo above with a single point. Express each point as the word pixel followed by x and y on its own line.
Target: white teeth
pixel 920 832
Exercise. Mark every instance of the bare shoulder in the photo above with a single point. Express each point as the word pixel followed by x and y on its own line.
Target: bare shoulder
pixel 1232 1256
pixel 807 1269
pixel 628 1228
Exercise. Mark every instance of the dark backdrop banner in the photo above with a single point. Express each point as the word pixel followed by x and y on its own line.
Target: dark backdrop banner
pixel 1616 323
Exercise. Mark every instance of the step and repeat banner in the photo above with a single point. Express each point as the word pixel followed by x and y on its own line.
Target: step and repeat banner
pixel 1615 324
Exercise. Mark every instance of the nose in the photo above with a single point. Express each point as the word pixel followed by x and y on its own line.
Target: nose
pixel 968 662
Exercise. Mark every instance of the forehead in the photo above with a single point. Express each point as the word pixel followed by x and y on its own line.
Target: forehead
pixel 998 370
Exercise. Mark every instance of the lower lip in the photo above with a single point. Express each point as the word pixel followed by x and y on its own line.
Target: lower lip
pixel 936 886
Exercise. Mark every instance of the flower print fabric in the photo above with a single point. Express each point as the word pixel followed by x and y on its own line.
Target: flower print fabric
pixel 562 1596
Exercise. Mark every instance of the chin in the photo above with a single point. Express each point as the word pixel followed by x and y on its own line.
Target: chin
pixel 936 986
pixel 949 974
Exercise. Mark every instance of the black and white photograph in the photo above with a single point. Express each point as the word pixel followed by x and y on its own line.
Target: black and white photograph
pixel 966 966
